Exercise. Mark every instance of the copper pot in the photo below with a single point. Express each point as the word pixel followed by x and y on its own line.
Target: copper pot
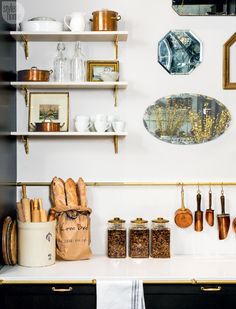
pixel 105 20
pixel 47 126
pixel 34 75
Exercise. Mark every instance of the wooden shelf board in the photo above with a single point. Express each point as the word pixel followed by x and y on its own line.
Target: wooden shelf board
pixel 70 85
pixel 68 36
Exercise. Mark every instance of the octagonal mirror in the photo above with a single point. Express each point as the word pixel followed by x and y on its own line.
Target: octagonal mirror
pixel 204 7
pixel 186 119
pixel 179 52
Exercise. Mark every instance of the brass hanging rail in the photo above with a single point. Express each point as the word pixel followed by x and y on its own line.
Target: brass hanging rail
pixel 124 184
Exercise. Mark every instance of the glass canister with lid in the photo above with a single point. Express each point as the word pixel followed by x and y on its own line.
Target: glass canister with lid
pixel 139 239
pixel 116 238
pixel 160 238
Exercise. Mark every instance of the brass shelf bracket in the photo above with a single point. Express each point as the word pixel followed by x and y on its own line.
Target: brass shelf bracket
pixel 115 92
pixel 116 47
pixel 26 95
pixel 25 140
pixel 116 144
pixel 26 47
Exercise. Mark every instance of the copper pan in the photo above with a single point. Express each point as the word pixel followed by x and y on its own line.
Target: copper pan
pixel 34 75
pixel 47 126
pixel 105 20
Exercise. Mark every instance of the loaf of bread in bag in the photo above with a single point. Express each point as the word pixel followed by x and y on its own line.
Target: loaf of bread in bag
pixel 71 193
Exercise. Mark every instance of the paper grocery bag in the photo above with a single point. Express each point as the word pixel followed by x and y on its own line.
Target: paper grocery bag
pixel 73 233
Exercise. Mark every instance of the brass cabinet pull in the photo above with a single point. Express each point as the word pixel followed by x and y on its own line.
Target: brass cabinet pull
pixel 216 289
pixel 62 290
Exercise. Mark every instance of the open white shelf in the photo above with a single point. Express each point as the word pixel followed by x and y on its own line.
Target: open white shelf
pixel 68 134
pixel 70 85
pixel 25 136
pixel 68 36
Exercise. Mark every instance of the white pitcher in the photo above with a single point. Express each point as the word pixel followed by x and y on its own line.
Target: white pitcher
pixel 75 21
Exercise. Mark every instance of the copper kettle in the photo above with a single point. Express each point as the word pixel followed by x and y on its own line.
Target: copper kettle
pixel 105 20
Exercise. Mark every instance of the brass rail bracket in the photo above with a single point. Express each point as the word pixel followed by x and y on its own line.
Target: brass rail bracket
pixel 116 144
pixel 115 92
pixel 116 47
pixel 26 95
pixel 25 140
pixel 26 47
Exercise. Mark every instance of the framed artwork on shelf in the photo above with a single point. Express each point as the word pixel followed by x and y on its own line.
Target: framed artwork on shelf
pixel 95 68
pixel 50 107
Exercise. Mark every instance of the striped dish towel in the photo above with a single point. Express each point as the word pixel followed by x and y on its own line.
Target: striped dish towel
pixel 120 294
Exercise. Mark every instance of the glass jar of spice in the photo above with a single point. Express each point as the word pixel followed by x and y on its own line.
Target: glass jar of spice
pixel 160 238
pixel 116 238
pixel 139 239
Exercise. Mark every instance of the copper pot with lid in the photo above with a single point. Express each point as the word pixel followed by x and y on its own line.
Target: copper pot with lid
pixel 34 75
pixel 105 20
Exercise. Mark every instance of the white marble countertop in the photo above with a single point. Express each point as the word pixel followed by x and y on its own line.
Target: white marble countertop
pixel 176 269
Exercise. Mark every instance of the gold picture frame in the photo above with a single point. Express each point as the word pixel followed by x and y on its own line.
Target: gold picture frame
pixel 49 106
pixel 95 67
pixel 227 84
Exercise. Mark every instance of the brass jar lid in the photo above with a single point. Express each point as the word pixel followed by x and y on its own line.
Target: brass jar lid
pixel 116 220
pixel 160 220
pixel 139 221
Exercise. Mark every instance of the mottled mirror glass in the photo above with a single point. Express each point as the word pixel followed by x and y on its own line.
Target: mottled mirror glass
pixel 186 119
pixel 179 52
pixel 205 7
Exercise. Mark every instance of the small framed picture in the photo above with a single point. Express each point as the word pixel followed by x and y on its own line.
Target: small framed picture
pixel 96 67
pixel 49 107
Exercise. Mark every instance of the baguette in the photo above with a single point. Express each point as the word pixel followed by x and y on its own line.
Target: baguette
pixel 82 192
pixel 58 192
pixel 71 194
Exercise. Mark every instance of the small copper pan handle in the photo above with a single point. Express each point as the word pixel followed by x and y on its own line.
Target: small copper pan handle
pixel 117 18
pixel 211 289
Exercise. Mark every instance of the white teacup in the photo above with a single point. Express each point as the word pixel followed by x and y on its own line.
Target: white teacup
pixel 82 123
pixel 99 117
pixel 101 125
pixel 118 126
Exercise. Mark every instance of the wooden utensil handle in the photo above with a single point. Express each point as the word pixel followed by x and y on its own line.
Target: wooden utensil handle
pixel 222 200
pixel 199 198
pixel 210 200
pixel 24 191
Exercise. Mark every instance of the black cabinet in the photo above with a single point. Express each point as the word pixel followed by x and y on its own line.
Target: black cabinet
pixel 83 296
pixel 38 296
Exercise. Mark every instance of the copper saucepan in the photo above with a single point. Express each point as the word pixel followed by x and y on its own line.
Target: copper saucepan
pixel 47 126
pixel 105 20
pixel 34 75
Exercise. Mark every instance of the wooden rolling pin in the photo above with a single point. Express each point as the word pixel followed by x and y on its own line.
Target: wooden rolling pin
pixel 25 205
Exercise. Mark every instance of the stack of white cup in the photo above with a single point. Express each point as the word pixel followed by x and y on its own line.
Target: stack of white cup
pixel 99 123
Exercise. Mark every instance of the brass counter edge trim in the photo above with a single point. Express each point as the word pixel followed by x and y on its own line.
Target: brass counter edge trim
pixel 93 282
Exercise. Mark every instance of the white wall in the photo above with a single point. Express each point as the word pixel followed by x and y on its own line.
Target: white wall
pixel 141 157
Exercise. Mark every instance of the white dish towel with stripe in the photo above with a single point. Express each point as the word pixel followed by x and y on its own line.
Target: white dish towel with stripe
pixel 120 294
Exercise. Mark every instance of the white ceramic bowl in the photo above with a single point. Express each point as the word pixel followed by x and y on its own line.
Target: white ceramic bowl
pixel 41 25
pixel 109 76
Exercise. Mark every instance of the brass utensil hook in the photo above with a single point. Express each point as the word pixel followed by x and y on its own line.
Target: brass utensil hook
pixel 210 191
pixel 198 188
pixel 222 189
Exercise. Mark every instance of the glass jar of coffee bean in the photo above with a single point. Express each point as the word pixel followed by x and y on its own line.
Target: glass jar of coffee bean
pixel 160 238
pixel 139 239
pixel 116 238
